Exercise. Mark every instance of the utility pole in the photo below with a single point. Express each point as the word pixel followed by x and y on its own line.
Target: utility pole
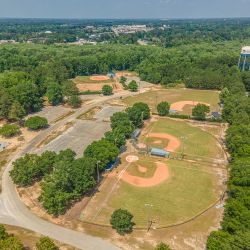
pixel 221 130
pixel 148 215
pixel 184 138
pixel 156 101
pixel 115 141
pixel 142 116
pixel 98 180
pixel 131 129
pixel 188 114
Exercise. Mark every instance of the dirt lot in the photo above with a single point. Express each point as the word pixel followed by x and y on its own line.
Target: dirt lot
pixel 98 86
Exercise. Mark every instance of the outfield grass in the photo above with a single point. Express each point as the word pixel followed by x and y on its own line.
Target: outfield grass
pixel 176 95
pixel 86 79
pixel 198 143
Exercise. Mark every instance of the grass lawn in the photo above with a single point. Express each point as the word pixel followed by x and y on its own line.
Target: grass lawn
pixel 198 143
pixel 176 95
pixel 86 79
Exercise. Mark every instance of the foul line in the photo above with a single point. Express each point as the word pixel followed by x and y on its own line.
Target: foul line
pixel 212 98
pixel 120 176
pixel 151 129
pixel 184 167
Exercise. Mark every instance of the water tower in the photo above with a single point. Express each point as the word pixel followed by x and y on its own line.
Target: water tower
pixel 245 51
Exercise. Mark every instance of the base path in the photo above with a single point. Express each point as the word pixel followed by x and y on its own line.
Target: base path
pixel 173 142
pixel 161 174
pixel 99 78
pixel 179 105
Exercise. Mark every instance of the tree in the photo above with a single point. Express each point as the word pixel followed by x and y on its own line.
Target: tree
pixel 69 89
pixel 46 243
pixel 102 150
pixel 12 242
pixel 54 92
pixel 17 111
pixel 8 130
pixel 224 94
pixel 121 220
pixel 162 246
pixel 123 79
pixel 117 118
pixel 144 108
pixel 163 108
pixel 3 234
pixel 36 122
pixel 116 136
pixel 132 85
pixel 216 239
pixel 74 100
pixel 6 101
pixel 135 115
pixel 107 90
pixel 199 111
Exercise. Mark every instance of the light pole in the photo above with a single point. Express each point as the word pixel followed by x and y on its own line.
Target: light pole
pixel 142 116
pixel 156 101
pixel 184 138
pixel 188 114
pixel 98 172
pixel 131 128
pixel 115 141
pixel 148 214
pixel 221 131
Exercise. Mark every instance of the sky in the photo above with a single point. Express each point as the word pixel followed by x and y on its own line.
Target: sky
pixel 124 9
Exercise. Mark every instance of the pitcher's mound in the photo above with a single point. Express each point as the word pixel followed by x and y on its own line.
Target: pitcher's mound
pixel 157 141
pixel 142 169
pixel 99 78
pixel 141 145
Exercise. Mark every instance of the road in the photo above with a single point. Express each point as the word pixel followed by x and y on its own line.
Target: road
pixel 14 212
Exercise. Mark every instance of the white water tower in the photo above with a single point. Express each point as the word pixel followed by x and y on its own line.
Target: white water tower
pixel 245 51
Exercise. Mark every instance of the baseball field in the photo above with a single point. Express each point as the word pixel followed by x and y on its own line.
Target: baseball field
pixel 178 190
pixel 180 99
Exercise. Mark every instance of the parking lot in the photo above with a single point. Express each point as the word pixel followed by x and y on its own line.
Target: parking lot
pixel 82 133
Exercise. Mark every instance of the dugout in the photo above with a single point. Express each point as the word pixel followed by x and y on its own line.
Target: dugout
pixel 171 111
pixel 137 133
pixel 159 152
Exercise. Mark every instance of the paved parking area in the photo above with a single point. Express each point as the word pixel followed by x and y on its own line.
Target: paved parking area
pixel 50 113
pixel 107 111
pixel 3 145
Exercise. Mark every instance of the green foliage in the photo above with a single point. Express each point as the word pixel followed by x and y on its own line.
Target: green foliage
pixel 117 118
pixel 74 101
pixel 17 111
pixel 121 220
pixel 132 85
pixel 107 90
pixel 163 108
pixel 27 168
pixel 8 130
pixel 199 111
pixel 46 243
pixel 103 151
pixel 224 94
pixel 116 136
pixel 12 242
pixel 162 246
pixel 144 108
pixel 69 88
pixel 3 234
pixel 68 181
pixel 217 239
pixel 135 115
pixel 54 92
pixel 36 122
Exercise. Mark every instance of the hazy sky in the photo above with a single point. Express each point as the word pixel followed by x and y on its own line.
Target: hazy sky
pixel 124 8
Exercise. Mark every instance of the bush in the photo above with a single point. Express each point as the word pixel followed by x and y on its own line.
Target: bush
pixel 36 122
pixel 178 116
pixel 88 92
pixel 46 243
pixel 8 130
pixel 162 246
pixel 163 108
pixel 107 90
pixel 74 100
pixel 121 220
pixel 133 86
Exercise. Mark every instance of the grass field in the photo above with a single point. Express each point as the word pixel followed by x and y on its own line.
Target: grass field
pixel 189 189
pixel 176 95
pixel 86 79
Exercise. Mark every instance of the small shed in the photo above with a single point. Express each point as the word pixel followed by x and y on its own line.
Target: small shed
pixel 111 74
pixel 171 111
pixel 136 133
pixel 159 152
pixel 215 115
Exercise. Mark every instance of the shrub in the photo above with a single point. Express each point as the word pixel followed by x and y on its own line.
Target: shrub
pixel 36 122
pixel 8 130
pixel 107 90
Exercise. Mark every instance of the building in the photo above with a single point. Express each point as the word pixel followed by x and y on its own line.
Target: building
pixel 47 32
pixel 215 115
pixel 111 74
